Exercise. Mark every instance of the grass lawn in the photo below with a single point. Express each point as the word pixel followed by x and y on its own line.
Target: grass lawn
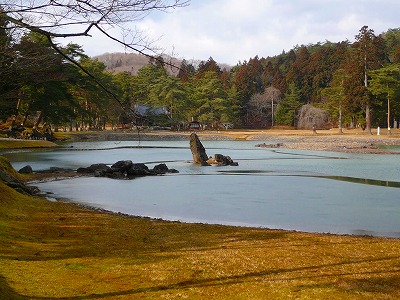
pixel 19 144
pixel 54 250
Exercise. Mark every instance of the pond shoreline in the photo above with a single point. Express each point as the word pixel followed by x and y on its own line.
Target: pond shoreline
pixel 352 141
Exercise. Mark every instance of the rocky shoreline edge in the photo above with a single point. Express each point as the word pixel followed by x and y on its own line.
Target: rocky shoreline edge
pixel 349 143
pixel 361 144
pixel 333 144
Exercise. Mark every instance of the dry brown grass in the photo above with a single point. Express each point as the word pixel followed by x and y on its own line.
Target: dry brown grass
pixel 277 132
pixel 53 250
pixel 240 134
pixel 6 143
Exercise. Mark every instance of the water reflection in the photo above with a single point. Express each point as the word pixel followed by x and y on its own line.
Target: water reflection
pixel 303 203
pixel 385 183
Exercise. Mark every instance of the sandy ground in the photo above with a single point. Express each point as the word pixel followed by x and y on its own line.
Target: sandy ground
pixel 351 141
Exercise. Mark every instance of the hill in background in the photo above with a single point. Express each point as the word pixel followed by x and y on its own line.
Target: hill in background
pixel 132 62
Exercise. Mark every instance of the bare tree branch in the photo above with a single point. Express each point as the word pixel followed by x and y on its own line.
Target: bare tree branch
pixel 77 18
pixel 45 32
pixel 85 71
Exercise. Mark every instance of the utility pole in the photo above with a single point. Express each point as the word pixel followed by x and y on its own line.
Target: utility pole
pixel 388 113
pixel 272 112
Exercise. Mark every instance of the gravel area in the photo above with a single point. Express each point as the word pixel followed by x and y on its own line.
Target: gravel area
pixel 289 139
pixel 349 144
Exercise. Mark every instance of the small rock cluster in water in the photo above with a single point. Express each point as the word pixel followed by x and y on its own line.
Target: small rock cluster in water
pixel 125 169
pixel 200 156
pixel 264 145
pixel 221 160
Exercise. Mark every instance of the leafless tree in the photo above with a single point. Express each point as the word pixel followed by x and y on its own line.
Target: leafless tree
pixel 55 19
pixel 77 18
pixel 262 107
pixel 311 117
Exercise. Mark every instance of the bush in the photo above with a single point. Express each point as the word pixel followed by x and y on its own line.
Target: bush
pixel 309 116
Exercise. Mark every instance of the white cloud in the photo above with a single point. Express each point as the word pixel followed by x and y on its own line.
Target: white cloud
pixel 349 21
pixel 235 30
pixel 241 10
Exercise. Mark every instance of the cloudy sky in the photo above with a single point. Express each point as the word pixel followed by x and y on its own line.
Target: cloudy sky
pixel 235 30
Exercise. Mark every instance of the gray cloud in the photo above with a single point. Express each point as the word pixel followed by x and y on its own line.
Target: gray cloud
pixel 235 30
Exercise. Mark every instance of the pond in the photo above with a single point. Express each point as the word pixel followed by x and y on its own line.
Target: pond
pixel 309 191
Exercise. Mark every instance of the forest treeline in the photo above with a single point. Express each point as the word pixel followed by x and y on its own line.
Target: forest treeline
pixel 324 84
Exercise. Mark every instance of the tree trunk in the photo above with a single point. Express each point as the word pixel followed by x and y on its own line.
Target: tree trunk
pixel 38 120
pixel 367 105
pixel 340 121
pixel 368 119
pixel 388 114
pixel 27 113
pixel 18 107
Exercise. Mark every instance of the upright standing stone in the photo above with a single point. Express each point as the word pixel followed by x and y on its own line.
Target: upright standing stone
pixel 199 153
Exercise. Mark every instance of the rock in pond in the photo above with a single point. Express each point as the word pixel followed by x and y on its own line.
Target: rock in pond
pixel 138 169
pixel 93 168
pixel 26 170
pixel 122 166
pixel 120 170
pixel 222 160
pixel 198 151
pixel 163 169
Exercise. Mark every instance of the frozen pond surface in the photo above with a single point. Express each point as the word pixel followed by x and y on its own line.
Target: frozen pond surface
pixel 274 188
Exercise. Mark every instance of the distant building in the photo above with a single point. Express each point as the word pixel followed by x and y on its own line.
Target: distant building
pixel 146 110
pixel 194 125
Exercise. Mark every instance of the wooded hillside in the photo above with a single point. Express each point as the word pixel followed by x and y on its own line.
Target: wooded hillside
pixel 324 85
pixel 132 62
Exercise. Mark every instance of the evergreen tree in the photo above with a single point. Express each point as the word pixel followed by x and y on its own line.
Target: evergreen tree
pixel 210 99
pixel 369 55
pixel 209 66
pixel 248 79
pixel 170 92
pixel 44 78
pixel 8 78
pixel 143 82
pixel 287 109
pixel 334 98
pixel 186 71
pixel 386 82
pixel 298 75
